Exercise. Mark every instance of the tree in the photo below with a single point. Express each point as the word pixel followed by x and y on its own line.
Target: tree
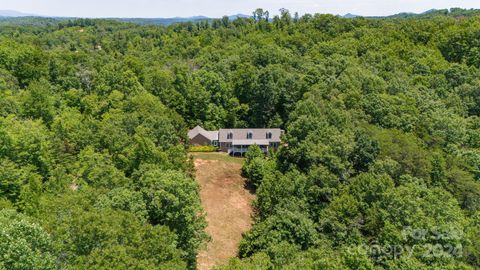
pixel 160 83
pixel 257 261
pixel 277 191
pixel 285 225
pixel 381 134
pixel 259 15
pixel 365 151
pixel 257 169
pixel 39 102
pixel 27 62
pixel 254 167
pixel 26 142
pixel 172 200
pixel 24 244
pixel 407 150
pixel 105 237
pixel 75 130
pixel 97 170
pixel 438 173
pixel 125 200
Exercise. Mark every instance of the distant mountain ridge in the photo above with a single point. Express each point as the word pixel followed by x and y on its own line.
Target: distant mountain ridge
pixel 160 21
pixel 350 16
pixel 432 12
pixel 12 17
pixel 168 21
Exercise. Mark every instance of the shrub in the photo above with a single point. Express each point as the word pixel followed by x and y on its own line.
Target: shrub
pixel 257 169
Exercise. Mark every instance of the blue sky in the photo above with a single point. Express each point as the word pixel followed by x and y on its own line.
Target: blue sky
pixel 217 8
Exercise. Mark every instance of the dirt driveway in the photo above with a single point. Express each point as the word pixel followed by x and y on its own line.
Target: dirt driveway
pixel 227 203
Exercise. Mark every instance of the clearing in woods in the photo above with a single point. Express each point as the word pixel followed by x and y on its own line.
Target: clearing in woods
pixel 227 203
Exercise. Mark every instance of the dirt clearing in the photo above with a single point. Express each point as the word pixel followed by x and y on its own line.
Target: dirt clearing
pixel 227 203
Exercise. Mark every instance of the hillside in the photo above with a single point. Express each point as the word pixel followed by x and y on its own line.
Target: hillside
pixel 379 167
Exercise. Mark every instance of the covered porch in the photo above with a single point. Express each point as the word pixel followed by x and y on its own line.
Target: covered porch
pixel 240 147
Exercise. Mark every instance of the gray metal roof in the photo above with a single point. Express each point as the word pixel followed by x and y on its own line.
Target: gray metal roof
pixel 211 135
pixel 257 134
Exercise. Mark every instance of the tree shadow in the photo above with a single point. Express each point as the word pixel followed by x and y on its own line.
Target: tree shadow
pixel 250 187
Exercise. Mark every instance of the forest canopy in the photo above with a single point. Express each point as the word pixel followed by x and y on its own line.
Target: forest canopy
pixel 379 169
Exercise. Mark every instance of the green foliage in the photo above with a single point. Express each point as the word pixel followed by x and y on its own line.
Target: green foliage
pixel 359 136
pixel 38 101
pixel 382 134
pixel 15 181
pixel 461 45
pixel 256 166
pixel 125 200
pixel 26 142
pixel 406 150
pixel 364 153
pixel 277 191
pixel 253 152
pixel 24 244
pixel 100 237
pixel 258 261
pixel 76 131
pixel 172 200
pixel 293 227
pixel 96 169
pixel 27 62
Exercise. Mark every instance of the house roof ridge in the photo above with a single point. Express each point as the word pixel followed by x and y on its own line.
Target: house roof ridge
pixel 247 128
pixel 212 135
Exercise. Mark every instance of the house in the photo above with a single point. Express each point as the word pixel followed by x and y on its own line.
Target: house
pixel 237 140
pixel 201 137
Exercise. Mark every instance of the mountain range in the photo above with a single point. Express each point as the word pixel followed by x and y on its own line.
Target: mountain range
pixel 16 17
pixel 8 14
pixel 168 21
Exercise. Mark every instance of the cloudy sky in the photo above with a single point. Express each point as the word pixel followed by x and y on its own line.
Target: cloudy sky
pixel 217 8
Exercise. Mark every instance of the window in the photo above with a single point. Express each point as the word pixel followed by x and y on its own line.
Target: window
pixel 229 136
pixel 249 135
pixel 269 136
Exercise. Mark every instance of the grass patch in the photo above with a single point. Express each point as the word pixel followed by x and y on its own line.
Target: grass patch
pixel 205 148
pixel 218 156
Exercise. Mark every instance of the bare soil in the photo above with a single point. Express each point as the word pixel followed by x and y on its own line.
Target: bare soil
pixel 227 203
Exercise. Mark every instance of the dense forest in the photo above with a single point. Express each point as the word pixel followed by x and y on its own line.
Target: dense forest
pixel 380 167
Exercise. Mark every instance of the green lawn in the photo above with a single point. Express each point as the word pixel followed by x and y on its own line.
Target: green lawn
pixel 217 156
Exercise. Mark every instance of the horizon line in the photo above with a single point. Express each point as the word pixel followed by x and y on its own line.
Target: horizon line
pixel 28 14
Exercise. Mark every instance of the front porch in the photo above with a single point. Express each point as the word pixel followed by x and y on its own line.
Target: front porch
pixel 240 150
